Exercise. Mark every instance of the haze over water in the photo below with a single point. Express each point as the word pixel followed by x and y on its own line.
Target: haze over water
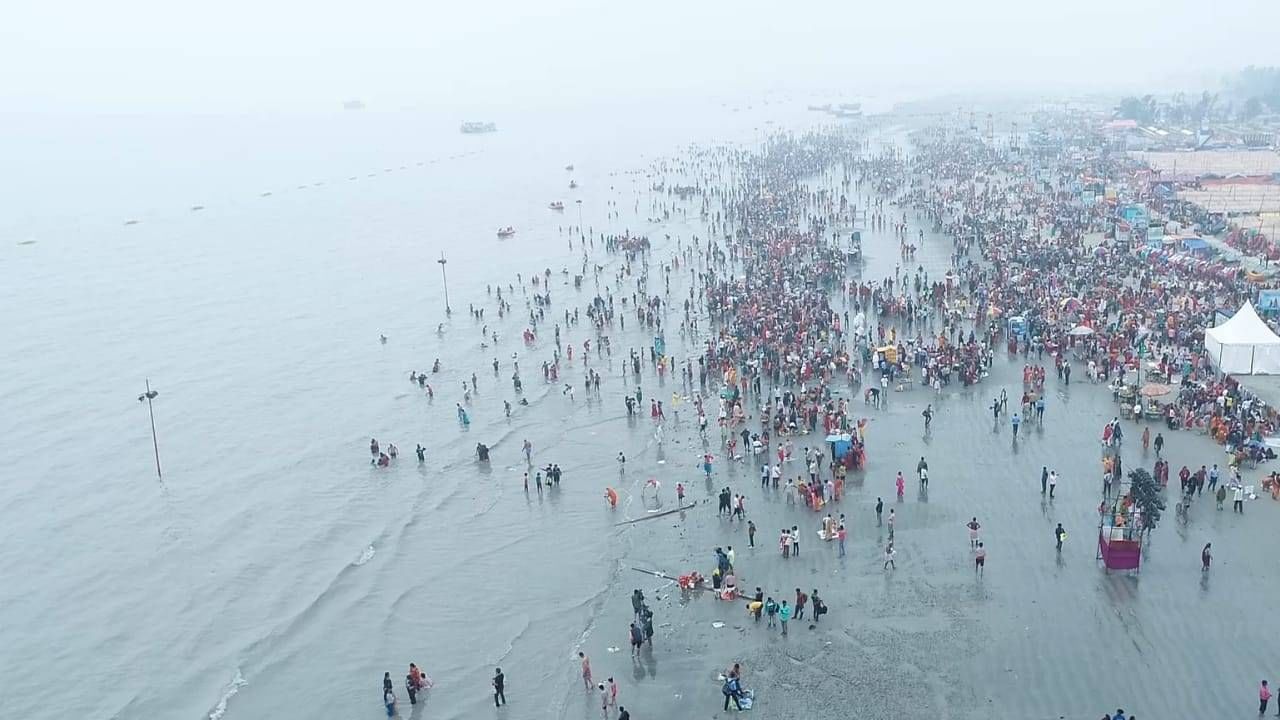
pixel 270 552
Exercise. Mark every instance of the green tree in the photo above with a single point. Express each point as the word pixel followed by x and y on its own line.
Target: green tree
pixel 1147 496
pixel 1252 108
pixel 1134 108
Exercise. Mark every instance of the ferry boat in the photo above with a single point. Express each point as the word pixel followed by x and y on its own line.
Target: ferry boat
pixel 573 184
pixel 557 205
pixel 506 232
pixel 569 168
pixel 473 128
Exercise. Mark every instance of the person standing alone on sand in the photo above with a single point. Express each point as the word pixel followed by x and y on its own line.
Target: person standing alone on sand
pixel 973 526
pixel 586 670
pixel 1264 695
pixel 499 686
pixel 1205 557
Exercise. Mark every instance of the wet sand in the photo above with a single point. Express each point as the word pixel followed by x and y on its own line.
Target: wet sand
pixel 1038 635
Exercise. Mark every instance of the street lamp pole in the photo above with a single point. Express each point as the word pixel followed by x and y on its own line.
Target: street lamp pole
pixel 150 395
pixel 445 277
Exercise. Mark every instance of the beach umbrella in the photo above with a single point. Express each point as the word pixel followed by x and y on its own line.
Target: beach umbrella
pixel 1081 331
pixel 1152 390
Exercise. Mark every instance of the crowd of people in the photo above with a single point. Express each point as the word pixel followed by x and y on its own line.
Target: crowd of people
pixel 777 361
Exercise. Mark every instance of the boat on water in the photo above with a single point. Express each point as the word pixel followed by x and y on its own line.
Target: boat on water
pixel 569 168
pixel 557 205
pixel 573 184
pixel 506 232
pixel 473 128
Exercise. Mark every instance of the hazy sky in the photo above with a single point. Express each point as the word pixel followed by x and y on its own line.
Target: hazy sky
pixel 245 54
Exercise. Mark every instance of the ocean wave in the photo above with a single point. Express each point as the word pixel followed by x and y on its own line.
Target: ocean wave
pixel 365 556
pixel 232 688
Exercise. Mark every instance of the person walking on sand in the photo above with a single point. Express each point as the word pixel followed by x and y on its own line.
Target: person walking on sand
pixel 892 522
pixel 841 534
pixel 1205 557
pixel 604 699
pixel 1264 696
pixel 1237 500
pixel 1159 443
pixel 751 533
pixel 1044 479
pixel 637 638
pixel 586 669
pixel 389 699
pixel 889 552
pixel 1059 534
pixel 973 526
pixel 1053 482
pixel 899 484
pixel 1221 495
pixel 499 688
pixel 879 511
pixel 784 615
pixel 980 559
pixel 732 690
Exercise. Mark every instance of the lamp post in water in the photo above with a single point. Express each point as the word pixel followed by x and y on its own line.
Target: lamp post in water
pixel 445 278
pixel 148 396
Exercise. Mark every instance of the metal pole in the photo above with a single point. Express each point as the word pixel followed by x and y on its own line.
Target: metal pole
pixel 150 395
pixel 445 278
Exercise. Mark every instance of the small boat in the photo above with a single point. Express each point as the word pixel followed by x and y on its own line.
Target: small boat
pixel 557 205
pixel 131 222
pixel 573 184
pixel 569 168
pixel 474 128
pixel 197 208
pixel 506 232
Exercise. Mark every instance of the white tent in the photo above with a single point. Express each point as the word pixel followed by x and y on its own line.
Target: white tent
pixel 1243 345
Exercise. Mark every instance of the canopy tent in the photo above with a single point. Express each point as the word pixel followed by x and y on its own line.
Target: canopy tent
pixel 1243 345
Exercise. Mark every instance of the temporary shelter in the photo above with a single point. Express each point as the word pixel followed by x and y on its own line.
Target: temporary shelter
pixel 1243 345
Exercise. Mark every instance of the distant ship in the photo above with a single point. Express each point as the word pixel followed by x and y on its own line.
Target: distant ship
pixel 353 105
pixel 472 128
pixel 847 110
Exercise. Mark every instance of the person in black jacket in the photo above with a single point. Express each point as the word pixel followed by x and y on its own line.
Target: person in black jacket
pixel 499 685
